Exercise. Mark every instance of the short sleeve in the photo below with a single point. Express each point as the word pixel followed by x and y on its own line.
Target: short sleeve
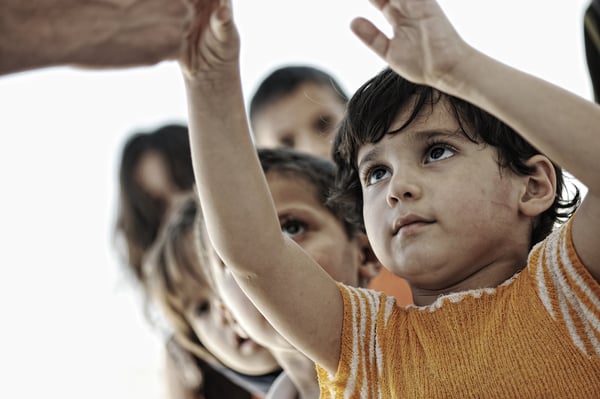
pixel 366 313
pixel 570 294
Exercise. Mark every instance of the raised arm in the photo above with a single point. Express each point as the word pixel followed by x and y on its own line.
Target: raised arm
pixel 287 286
pixel 426 49
pixel 100 34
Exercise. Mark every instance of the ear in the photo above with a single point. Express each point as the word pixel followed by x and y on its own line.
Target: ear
pixel 539 187
pixel 369 266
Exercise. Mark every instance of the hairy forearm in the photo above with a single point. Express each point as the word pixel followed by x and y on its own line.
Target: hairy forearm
pixel 98 33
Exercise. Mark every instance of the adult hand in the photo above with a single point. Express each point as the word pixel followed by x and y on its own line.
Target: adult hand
pixel 98 34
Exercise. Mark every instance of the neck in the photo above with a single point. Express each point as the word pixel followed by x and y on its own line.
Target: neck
pixel 488 276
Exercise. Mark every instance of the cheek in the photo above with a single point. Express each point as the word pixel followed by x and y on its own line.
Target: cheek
pixel 339 261
pixel 487 206
pixel 325 254
pixel 375 228
pixel 233 295
pixel 206 329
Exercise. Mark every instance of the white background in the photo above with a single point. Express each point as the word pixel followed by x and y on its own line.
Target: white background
pixel 71 325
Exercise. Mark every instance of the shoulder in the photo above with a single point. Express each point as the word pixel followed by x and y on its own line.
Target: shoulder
pixel 567 290
pixel 367 302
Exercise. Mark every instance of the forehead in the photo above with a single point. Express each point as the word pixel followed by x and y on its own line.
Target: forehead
pixel 186 272
pixel 432 120
pixel 297 198
pixel 304 100
pixel 290 190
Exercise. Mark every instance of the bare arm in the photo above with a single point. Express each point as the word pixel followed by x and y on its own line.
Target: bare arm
pixel 101 33
pixel 426 49
pixel 182 377
pixel 287 286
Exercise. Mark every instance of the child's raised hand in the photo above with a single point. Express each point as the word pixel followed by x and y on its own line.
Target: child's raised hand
pixel 213 42
pixel 424 45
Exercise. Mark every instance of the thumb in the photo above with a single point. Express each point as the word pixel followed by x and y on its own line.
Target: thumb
pixel 221 22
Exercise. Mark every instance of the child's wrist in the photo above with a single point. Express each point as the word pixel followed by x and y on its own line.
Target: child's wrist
pixel 453 81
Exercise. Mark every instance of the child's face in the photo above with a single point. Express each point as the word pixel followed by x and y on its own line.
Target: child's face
pixel 244 310
pixel 317 231
pixel 305 120
pixel 437 208
pixel 220 333
pixel 152 175
pixel 320 233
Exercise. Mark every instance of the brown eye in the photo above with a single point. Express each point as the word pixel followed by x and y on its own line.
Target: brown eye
pixel 293 228
pixel 324 124
pixel 436 153
pixel 202 308
pixel 376 174
pixel 287 141
pixel 439 152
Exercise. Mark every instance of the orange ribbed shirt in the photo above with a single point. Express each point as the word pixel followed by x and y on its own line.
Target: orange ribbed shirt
pixel 535 336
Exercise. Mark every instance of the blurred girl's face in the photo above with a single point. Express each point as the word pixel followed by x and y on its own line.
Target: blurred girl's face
pixel 219 332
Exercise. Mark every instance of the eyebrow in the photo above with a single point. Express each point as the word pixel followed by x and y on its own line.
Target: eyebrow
pixel 418 136
pixel 369 156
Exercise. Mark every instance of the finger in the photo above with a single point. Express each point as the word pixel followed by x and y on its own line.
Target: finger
pixel 394 15
pixel 379 4
pixel 371 36
pixel 222 22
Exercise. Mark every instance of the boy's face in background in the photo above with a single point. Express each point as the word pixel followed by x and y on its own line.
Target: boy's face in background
pixel 304 120
pixel 437 208
pixel 306 221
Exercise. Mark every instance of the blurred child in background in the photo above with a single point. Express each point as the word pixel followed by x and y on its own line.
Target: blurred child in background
pixel 178 280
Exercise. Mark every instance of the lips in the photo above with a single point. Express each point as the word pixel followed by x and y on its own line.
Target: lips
pixel 247 346
pixel 406 221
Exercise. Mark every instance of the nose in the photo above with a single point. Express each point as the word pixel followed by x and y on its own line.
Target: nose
pixel 227 318
pixel 403 187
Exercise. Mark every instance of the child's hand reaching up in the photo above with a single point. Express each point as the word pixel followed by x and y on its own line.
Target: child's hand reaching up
pixel 424 45
pixel 213 42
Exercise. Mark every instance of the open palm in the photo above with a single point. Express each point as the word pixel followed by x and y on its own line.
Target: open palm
pixel 424 45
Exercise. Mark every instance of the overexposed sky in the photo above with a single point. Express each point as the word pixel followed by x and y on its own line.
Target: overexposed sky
pixel 71 325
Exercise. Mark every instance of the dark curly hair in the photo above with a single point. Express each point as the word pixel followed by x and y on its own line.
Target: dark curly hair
pixel 374 108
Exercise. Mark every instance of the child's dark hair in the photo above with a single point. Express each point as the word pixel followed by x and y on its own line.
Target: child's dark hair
pixel 139 215
pixel 318 172
pixel 285 80
pixel 374 108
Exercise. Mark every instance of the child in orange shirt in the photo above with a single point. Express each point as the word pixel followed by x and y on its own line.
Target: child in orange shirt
pixel 453 200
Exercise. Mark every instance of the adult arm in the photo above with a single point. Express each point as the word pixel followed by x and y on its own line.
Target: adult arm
pixel 99 34
pixel 297 297
pixel 426 49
